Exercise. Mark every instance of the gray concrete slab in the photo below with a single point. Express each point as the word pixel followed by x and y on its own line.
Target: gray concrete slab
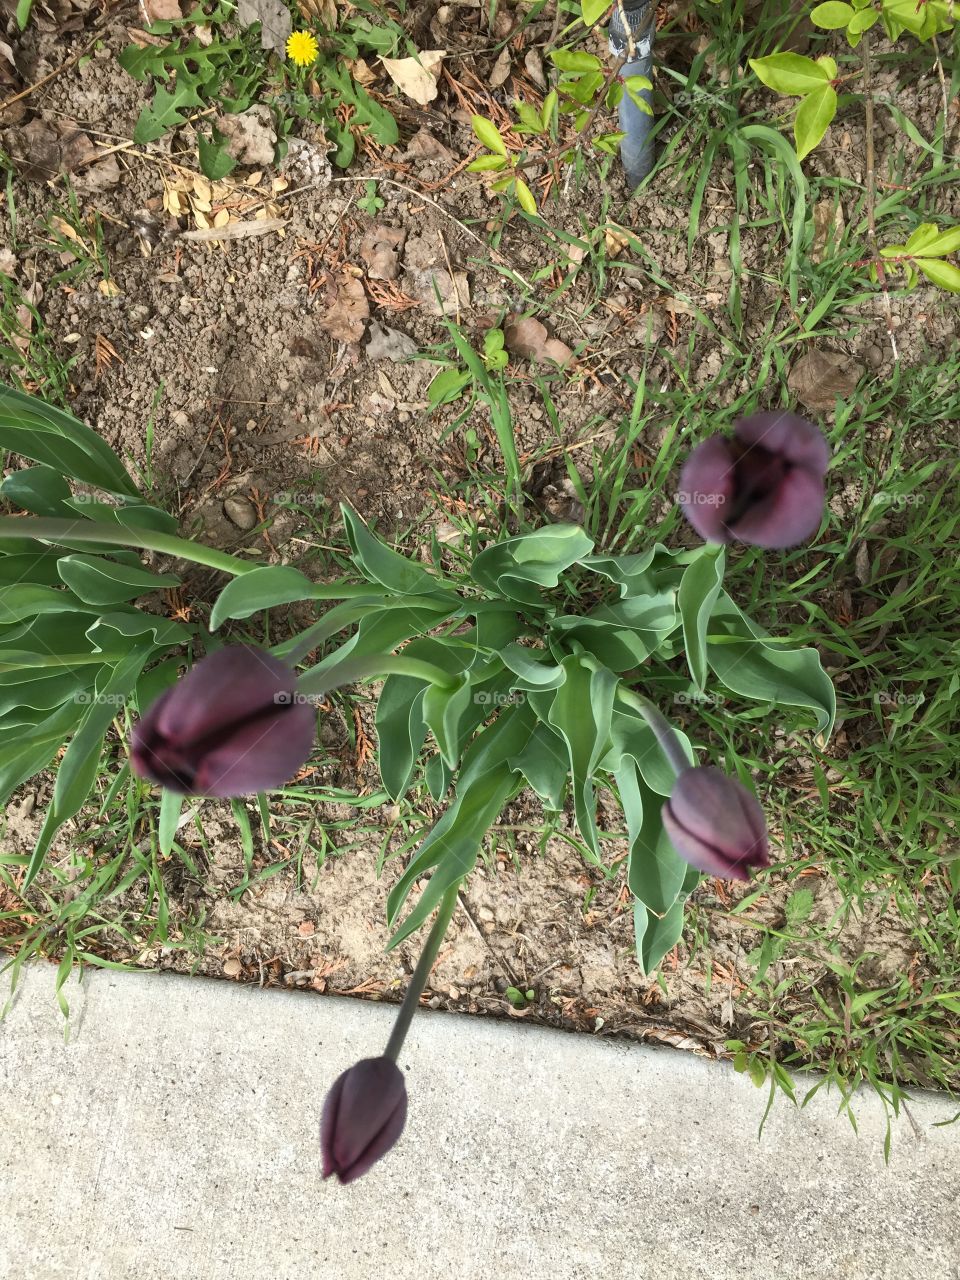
pixel 176 1135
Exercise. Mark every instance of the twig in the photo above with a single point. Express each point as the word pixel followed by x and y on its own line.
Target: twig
pixel 453 278
pixel 236 230
pixel 486 942
pixel 871 181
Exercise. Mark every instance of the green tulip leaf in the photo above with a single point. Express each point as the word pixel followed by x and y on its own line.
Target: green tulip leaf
pixel 699 589
pixel 96 580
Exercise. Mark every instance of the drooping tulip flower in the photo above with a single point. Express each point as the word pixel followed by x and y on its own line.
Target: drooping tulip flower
pixel 363 1116
pixel 716 824
pixel 231 727
pixel 763 485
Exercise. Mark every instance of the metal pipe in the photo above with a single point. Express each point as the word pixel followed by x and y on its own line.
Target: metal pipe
pixel 632 30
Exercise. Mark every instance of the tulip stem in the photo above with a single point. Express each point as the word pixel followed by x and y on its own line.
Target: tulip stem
pixel 665 734
pixel 65 532
pixel 411 1001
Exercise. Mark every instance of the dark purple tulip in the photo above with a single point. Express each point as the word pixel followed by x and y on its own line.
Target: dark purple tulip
pixel 762 485
pixel 716 824
pixel 231 727
pixel 363 1116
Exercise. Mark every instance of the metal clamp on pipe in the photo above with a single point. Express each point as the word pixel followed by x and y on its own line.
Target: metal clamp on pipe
pixel 632 30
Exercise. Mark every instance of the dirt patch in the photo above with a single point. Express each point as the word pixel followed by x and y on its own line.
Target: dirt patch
pixel 251 355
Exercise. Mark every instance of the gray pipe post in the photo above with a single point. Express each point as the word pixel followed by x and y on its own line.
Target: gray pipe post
pixel 632 30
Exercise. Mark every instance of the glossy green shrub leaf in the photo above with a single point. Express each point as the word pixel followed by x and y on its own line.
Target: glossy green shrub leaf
pixel 569 60
pixel 489 135
pixel 790 73
pixel 487 164
pixel 525 197
pixel 943 274
pixel 934 243
pixel 593 10
pixel 814 116
pixel 862 21
pixel 833 15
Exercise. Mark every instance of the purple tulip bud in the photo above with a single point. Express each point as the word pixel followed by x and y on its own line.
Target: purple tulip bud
pixel 716 824
pixel 231 727
pixel 363 1116
pixel 762 485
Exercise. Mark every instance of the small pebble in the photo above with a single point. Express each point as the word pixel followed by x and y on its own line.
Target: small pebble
pixel 240 511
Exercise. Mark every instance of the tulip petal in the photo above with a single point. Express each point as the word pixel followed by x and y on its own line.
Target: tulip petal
pixel 787 516
pixel 707 484
pixel 363 1116
pixel 224 688
pixel 263 753
pixel 716 824
pixel 787 434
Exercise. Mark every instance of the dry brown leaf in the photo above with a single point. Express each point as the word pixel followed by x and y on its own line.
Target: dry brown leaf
pixel 274 18
pixel 424 146
pixel 360 70
pixel 109 289
pixel 533 65
pixel 389 344
pixel 325 11
pixel 380 250
pixel 250 137
pixel 528 338
pixel 347 309
pixel 501 69
pixel 828 224
pixel 417 78
pixel 525 337
pixel 162 10
pixel 454 290
pixel 820 377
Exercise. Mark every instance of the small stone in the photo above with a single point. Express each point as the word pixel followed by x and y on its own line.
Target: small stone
pixel 240 511
pixel 873 356
pixel 485 913
pixel 453 993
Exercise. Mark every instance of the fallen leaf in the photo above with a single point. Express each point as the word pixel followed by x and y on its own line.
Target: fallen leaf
pixel 533 65
pixel 389 344
pixel 528 338
pixel 274 18
pixel 325 11
pixel 417 78
pixel 828 224
pixel 8 263
pixel 109 289
pixel 34 150
pixel 819 378
pixel 161 10
pixel 454 290
pixel 232 968
pixel 250 137
pixel 424 146
pixel 360 70
pixel 501 69
pixel 380 250
pixel 347 309
pixel 525 337
pixel 615 239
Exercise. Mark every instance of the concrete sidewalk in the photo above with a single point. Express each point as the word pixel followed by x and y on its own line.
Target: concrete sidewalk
pixel 176 1136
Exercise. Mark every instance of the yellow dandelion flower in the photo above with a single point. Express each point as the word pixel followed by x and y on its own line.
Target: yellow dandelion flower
pixel 302 48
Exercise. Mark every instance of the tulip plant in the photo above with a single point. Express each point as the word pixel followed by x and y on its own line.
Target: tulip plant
pixel 542 667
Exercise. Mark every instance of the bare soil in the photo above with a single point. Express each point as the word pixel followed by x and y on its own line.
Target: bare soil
pixel 231 347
